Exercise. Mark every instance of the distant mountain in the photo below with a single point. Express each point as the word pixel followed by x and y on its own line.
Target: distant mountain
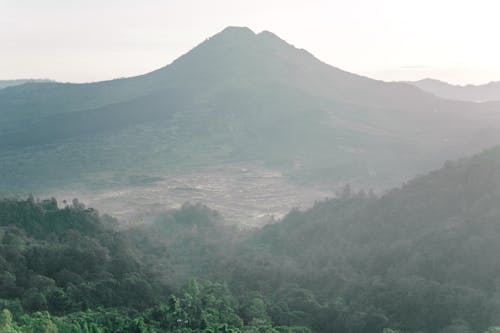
pixel 10 83
pixel 238 97
pixel 472 93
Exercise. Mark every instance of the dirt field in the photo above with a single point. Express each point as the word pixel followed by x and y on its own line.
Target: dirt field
pixel 250 195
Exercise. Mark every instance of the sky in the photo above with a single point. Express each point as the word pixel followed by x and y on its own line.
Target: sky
pixel 92 40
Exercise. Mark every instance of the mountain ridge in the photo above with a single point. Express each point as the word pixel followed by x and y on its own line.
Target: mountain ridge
pixel 237 97
pixel 474 93
pixel 16 82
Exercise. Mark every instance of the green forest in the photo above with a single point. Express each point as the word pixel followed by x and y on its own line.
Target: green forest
pixel 419 258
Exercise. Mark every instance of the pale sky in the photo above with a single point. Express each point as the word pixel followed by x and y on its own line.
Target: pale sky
pixel 89 40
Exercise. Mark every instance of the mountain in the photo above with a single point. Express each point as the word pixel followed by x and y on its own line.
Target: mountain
pixel 238 101
pixel 10 83
pixel 472 93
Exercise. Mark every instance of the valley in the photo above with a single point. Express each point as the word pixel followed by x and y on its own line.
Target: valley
pixel 248 195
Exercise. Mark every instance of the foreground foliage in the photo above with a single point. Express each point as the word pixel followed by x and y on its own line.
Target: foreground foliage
pixel 421 258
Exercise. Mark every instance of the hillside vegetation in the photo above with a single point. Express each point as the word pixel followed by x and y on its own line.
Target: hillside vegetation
pixel 420 258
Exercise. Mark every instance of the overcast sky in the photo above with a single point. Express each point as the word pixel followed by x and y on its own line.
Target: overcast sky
pixel 90 40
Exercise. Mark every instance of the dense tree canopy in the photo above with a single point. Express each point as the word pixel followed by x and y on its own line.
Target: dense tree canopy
pixel 420 258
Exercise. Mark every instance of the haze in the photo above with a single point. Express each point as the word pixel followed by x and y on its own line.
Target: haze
pixel 225 169
pixel 80 41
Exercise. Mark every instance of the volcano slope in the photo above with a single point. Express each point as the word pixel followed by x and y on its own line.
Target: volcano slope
pixel 238 98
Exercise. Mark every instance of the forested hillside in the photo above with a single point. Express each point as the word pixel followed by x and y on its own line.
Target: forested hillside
pixel 70 270
pixel 420 258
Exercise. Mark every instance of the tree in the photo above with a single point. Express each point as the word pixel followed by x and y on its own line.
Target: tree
pixel 40 322
pixel 6 324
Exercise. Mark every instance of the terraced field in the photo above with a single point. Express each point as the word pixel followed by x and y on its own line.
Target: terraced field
pixel 247 195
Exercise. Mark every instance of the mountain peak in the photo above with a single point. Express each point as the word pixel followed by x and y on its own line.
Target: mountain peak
pixel 235 43
pixel 267 34
pixel 243 36
pixel 245 33
pixel 236 31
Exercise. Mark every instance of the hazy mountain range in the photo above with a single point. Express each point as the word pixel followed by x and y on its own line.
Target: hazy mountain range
pixel 472 93
pixel 10 83
pixel 238 98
